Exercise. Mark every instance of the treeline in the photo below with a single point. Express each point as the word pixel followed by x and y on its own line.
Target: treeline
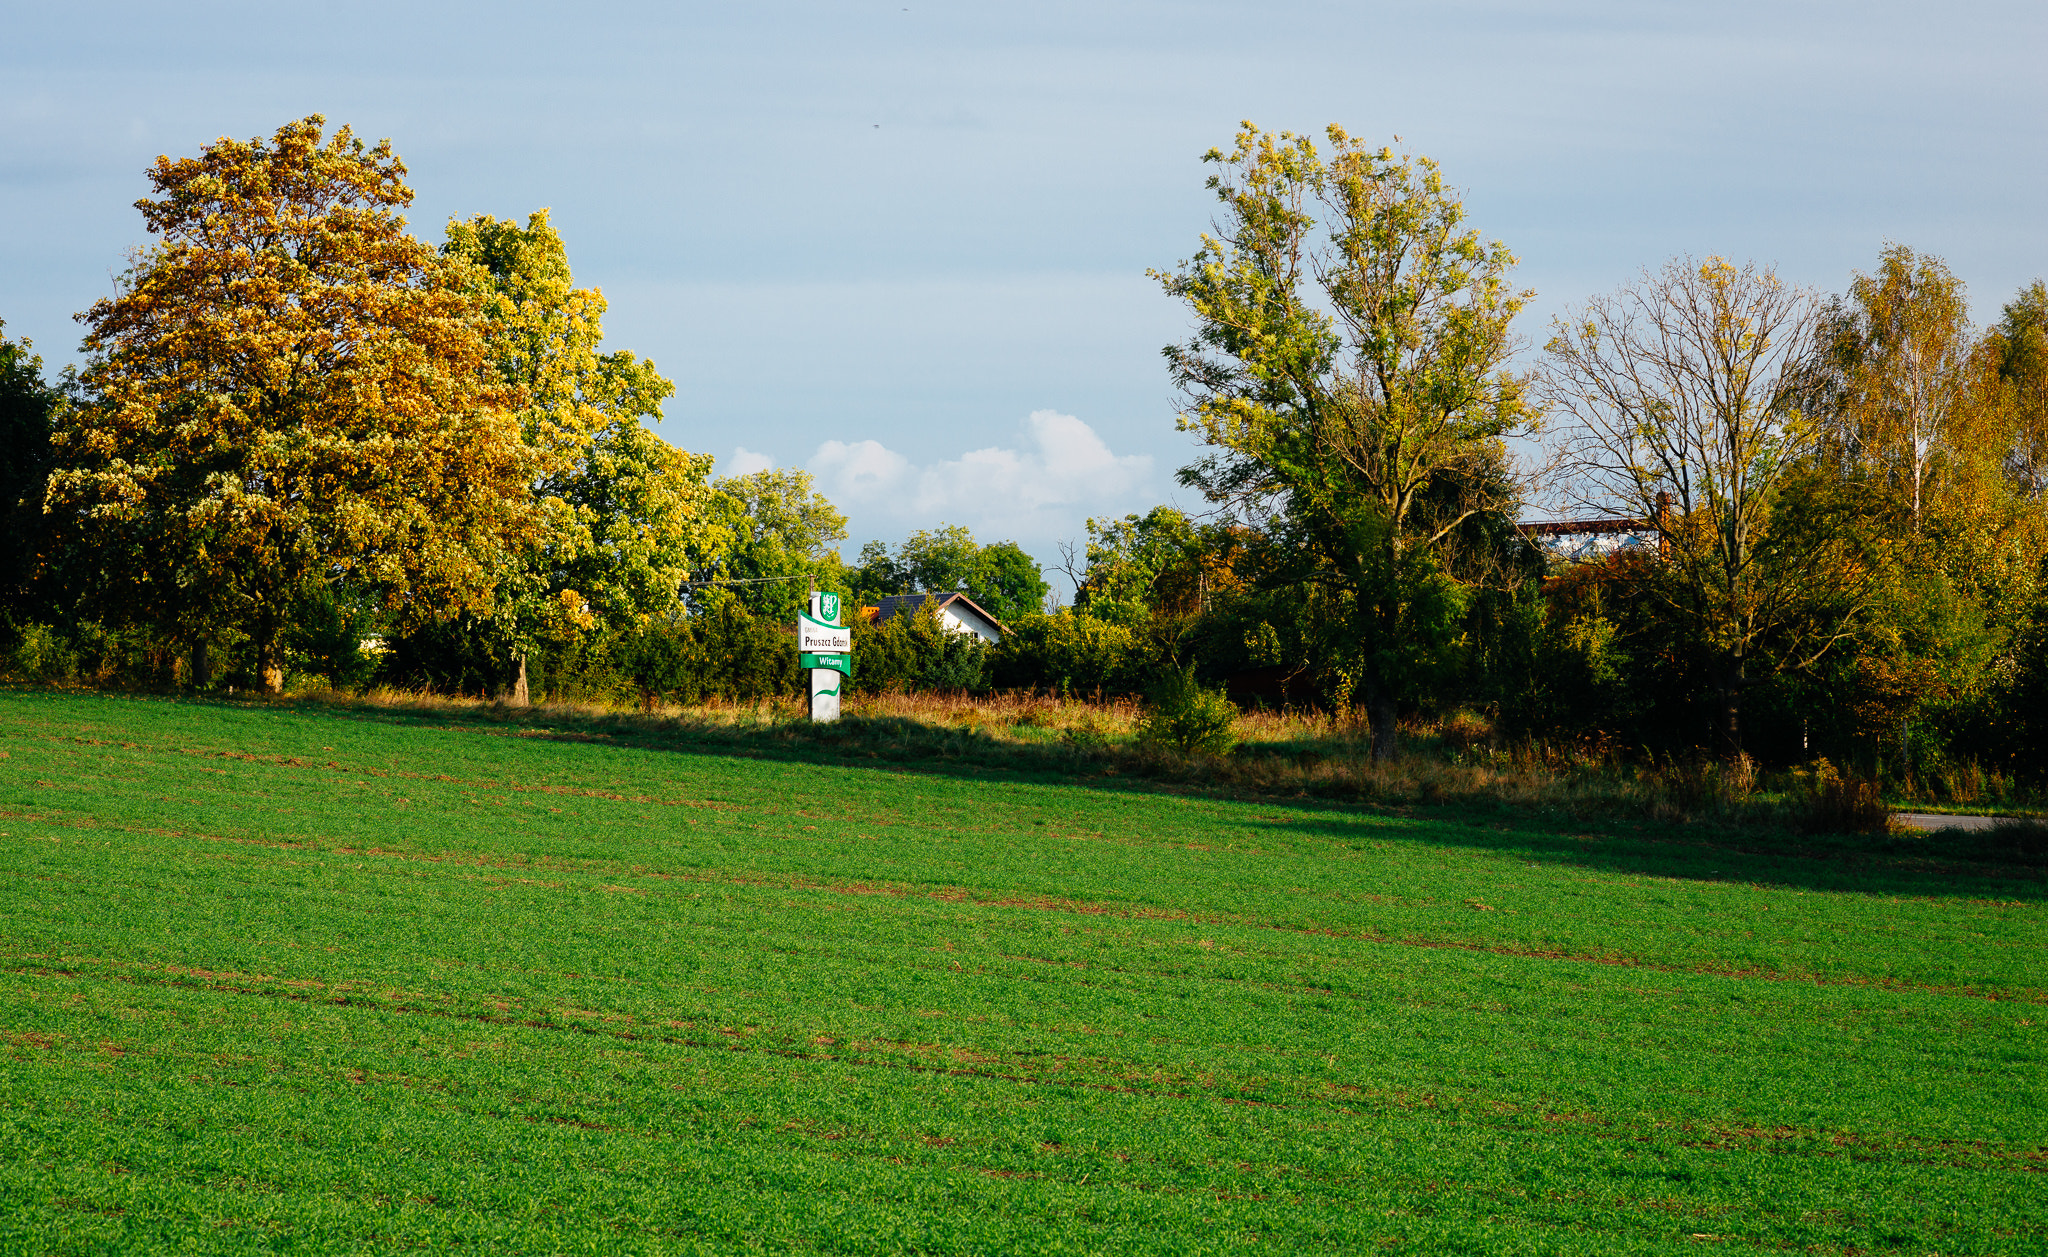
pixel 1838 500
pixel 305 443
pixel 306 446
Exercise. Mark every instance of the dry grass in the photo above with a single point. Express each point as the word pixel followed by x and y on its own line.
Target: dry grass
pixel 1279 754
pixel 1458 761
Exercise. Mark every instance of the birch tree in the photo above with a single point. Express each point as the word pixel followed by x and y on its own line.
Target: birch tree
pixel 2020 344
pixel 1903 344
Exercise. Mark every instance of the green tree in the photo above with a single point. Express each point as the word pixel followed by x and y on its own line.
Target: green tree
pixel 1001 578
pixel 940 560
pixel 1348 375
pixel 287 394
pixel 1124 560
pixel 2019 344
pixel 27 405
pixel 1930 431
pixel 1902 347
pixel 877 574
pixel 1006 582
pixel 626 517
pixel 785 539
pixel 1162 564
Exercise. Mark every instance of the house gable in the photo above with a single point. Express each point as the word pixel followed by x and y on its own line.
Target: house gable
pixel 957 613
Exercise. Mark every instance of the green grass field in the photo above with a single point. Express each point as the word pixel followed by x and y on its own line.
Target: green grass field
pixel 331 981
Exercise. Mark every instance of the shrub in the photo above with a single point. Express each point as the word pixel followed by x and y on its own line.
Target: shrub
pixel 1070 653
pixel 86 653
pixel 464 654
pixel 916 652
pixel 39 653
pixel 662 660
pixel 959 665
pixel 741 656
pixel 1835 804
pixel 327 639
pixel 1180 714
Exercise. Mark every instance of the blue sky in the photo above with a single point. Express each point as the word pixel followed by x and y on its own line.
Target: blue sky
pixel 905 244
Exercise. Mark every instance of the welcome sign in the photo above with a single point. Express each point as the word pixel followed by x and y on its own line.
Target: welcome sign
pixel 816 637
pixel 825 649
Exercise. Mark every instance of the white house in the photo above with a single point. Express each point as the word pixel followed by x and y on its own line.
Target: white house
pixel 957 613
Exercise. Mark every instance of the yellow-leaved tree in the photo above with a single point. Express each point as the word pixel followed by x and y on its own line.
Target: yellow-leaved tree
pixel 287 397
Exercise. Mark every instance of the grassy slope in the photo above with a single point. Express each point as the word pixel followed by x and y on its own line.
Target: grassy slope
pixel 311 981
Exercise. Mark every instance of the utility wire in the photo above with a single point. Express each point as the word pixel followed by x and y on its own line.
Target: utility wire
pixel 751 580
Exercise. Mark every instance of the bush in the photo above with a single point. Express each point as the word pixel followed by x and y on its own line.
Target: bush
pixel 958 666
pixel 916 652
pixel 327 640
pixel 1180 714
pixel 741 656
pixel 1835 804
pixel 465 654
pixel 1070 653
pixel 38 652
pixel 86 653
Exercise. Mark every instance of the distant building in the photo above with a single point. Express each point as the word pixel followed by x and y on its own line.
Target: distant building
pixel 957 613
pixel 1580 540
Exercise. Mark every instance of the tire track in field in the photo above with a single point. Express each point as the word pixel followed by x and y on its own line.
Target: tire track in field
pixel 1348 1101
pixel 1074 907
pixel 333 766
pixel 1104 908
pixel 954 894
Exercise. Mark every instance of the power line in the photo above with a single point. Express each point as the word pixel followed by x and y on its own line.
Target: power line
pixel 750 580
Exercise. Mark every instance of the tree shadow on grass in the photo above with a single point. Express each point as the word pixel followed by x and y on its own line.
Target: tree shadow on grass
pixel 1949 864
pixel 1584 825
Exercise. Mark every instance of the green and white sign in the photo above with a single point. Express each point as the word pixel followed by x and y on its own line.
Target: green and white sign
pixel 825 650
pixel 825 685
pixel 816 637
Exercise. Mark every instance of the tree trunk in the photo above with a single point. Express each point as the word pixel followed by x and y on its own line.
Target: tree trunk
pixel 269 665
pixel 1381 715
pixel 1732 685
pixel 202 667
pixel 1383 718
pixel 519 696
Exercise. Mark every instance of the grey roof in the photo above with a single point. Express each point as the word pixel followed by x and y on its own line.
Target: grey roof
pixel 894 603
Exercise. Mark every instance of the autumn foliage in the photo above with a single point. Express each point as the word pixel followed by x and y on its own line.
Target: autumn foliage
pixel 306 443
pixel 288 393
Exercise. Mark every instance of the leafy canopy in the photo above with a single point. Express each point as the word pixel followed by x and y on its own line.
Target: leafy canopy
pixel 1348 375
pixel 1000 577
pixel 785 538
pixel 27 404
pixel 288 393
pixel 626 517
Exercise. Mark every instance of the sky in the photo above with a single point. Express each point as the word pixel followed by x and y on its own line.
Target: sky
pixel 905 245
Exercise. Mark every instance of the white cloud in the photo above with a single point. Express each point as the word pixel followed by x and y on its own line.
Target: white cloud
pixel 1061 473
pixel 865 471
pixel 745 462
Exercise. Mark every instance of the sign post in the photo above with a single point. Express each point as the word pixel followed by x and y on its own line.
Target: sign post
pixel 825 650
